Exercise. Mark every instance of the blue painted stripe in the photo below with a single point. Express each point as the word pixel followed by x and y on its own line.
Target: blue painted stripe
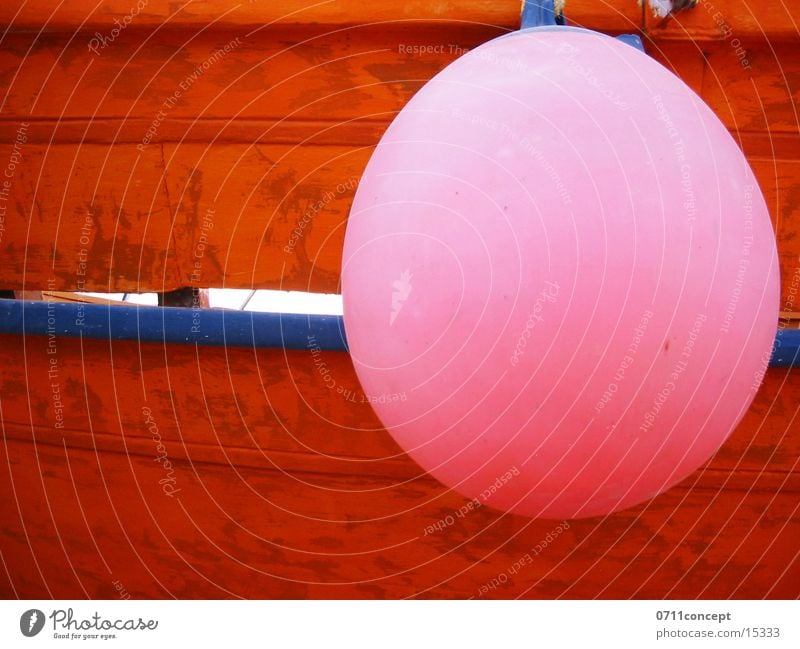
pixel 219 327
pixel 172 325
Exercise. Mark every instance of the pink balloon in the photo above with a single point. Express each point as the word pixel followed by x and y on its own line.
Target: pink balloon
pixel 560 279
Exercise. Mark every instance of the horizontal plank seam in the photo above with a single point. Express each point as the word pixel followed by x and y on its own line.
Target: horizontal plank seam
pixel 393 478
pixel 703 482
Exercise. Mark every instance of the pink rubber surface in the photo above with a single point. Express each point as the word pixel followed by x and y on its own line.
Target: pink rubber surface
pixel 561 259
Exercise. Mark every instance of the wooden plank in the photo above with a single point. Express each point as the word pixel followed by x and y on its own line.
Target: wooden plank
pixel 314 73
pixel 77 521
pixel 109 218
pixel 257 399
pixel 761 100
pixel 726 20
pixel 306 406
pixel 353 131
pixel 185 169
pixel 73 14
pixel 278 212
pixel 91 218
pixel 290 488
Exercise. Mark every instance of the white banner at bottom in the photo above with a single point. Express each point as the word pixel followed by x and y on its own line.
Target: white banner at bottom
pixel 400 624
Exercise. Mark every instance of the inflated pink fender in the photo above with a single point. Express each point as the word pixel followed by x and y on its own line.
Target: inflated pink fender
pixel 561 260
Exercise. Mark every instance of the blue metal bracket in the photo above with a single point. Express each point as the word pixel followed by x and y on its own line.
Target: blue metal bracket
pixel 542 13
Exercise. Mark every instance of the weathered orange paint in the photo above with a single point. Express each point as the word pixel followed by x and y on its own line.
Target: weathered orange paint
pixel 268 132
pixel 290 488
pixel 288 485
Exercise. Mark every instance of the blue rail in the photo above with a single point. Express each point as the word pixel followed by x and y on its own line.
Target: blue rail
pixel 183 326
pixel 786 352
pixel 172 325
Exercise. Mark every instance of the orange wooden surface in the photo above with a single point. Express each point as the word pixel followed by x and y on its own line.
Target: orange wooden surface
pixel 290 489
pixel 71 14
pixel 265 134
pixel 727 20
pixel 287 487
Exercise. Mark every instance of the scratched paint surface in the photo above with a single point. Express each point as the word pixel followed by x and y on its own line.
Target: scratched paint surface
pixel 197 472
